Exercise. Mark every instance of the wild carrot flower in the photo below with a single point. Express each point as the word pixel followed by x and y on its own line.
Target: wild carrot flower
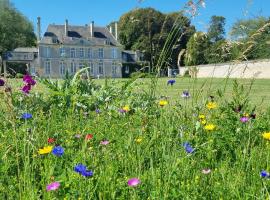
pixel 89 136
pixel 266 135
pixel 206 171
pixel 211 105
pixel 244 119
pixel 53 186
pixel 133 182
pixel 163 103
pixel 78 136
pixel 26 116
pixel 188 148
pixel 2 82
pixel 45 150
pixel 58 151
pixel 209 127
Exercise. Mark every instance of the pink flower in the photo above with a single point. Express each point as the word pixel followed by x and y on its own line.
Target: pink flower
pixel 104 142
pixel 244 119
pixel 133 182
pixel 206 171
pixel 53 186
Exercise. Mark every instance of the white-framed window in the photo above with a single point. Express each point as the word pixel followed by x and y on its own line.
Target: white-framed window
pixel 100 67
pixel 81 52
pixel 62 68
pixel 89 53
pixel 62 52
pixel 81 65
pixel 72 52
pixel 126 69
pixel 47 67
pixel 73 68
pixel 91 65
pixel 114 53
pixel 114 68
pixel 100 53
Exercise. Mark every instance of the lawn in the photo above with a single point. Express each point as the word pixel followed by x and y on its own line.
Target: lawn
pixel 117 141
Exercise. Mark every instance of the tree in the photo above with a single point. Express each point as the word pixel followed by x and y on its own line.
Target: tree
pixel 196 46
pixel 216 29
pixel 15 29
pixel 147 30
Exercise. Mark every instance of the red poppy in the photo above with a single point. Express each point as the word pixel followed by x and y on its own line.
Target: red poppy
pixel 51 140
pixel 89 136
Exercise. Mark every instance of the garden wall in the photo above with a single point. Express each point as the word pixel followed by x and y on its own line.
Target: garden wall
pixel 249 69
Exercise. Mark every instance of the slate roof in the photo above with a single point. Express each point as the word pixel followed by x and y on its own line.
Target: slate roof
pixel 76 33
pixel 26 49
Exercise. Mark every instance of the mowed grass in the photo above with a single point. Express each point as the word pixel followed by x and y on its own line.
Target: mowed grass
pixel 259 89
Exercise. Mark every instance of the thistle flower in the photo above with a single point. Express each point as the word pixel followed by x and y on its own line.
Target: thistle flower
pixel 58 151
pixel 26 116
pixel 53 186
pixel 133 182
pixel 45 150
pixel 163 103
pixel 2 82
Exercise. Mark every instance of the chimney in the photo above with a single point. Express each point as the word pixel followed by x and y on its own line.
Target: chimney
pixel 66 28
pixel 110 28
pixel 92 29
pixel 116 30
pixel 38 29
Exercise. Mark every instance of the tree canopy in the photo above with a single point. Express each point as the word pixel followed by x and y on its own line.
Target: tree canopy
pixel 216 29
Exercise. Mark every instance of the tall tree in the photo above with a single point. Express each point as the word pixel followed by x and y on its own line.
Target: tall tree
pixel 216 29
pixel 15 29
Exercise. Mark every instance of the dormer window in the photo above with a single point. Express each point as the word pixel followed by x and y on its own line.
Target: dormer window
pixel 54 40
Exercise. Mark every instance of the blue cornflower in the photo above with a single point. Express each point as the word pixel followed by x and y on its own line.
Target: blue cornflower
pixel 265 174
pixel 87 173
pixel 80 168
pixel 185 94
pixel 98 111
pixel 26 116
pixel 171 82
pixel 58 151
pixel 188 148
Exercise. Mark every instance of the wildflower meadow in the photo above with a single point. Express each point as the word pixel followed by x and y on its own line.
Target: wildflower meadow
pixel 83 140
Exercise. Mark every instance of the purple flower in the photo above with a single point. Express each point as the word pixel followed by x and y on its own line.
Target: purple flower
pixel 244 119
pixel 188 148
pixel 104 142
pixel 122 110
pixel 185 94
pixel 58 151
pixel 2 82
pixel 28 80
pixel 170 82
pixel 26 116
pixel 53 186
pixel 265 174
pixel 26 89
pixel 133 182
pixel 87 173
pixel 97 111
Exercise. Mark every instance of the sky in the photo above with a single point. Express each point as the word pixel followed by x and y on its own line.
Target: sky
pixel 102 12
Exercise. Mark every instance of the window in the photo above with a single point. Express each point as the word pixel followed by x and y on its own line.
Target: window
pixel 72 52
pixel 33 71
pixel 47 67
pixel 89 53
pixel 114 68
pixel 100 53
pixel 126 69
pixel 91 65
pixel 73 68
pixel 47 52
pixel 114 53
pixel 100 67
pixel 62 68
pixel 81 65
pixel 81 52
pixel 62 52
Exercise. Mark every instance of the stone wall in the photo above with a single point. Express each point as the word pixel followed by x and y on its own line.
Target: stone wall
pixel 249 69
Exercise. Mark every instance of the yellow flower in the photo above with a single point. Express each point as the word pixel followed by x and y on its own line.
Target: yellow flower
pixel 163 102
pixel 245 115
pixel 211 105
pixel 138 140
pixel 126 108
pixel 266 135
pixel 209 127
pixel 201 116
pixel 203 122
pixel 45 150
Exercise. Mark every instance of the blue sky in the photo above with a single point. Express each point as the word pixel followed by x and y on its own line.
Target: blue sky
pixel 81 12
